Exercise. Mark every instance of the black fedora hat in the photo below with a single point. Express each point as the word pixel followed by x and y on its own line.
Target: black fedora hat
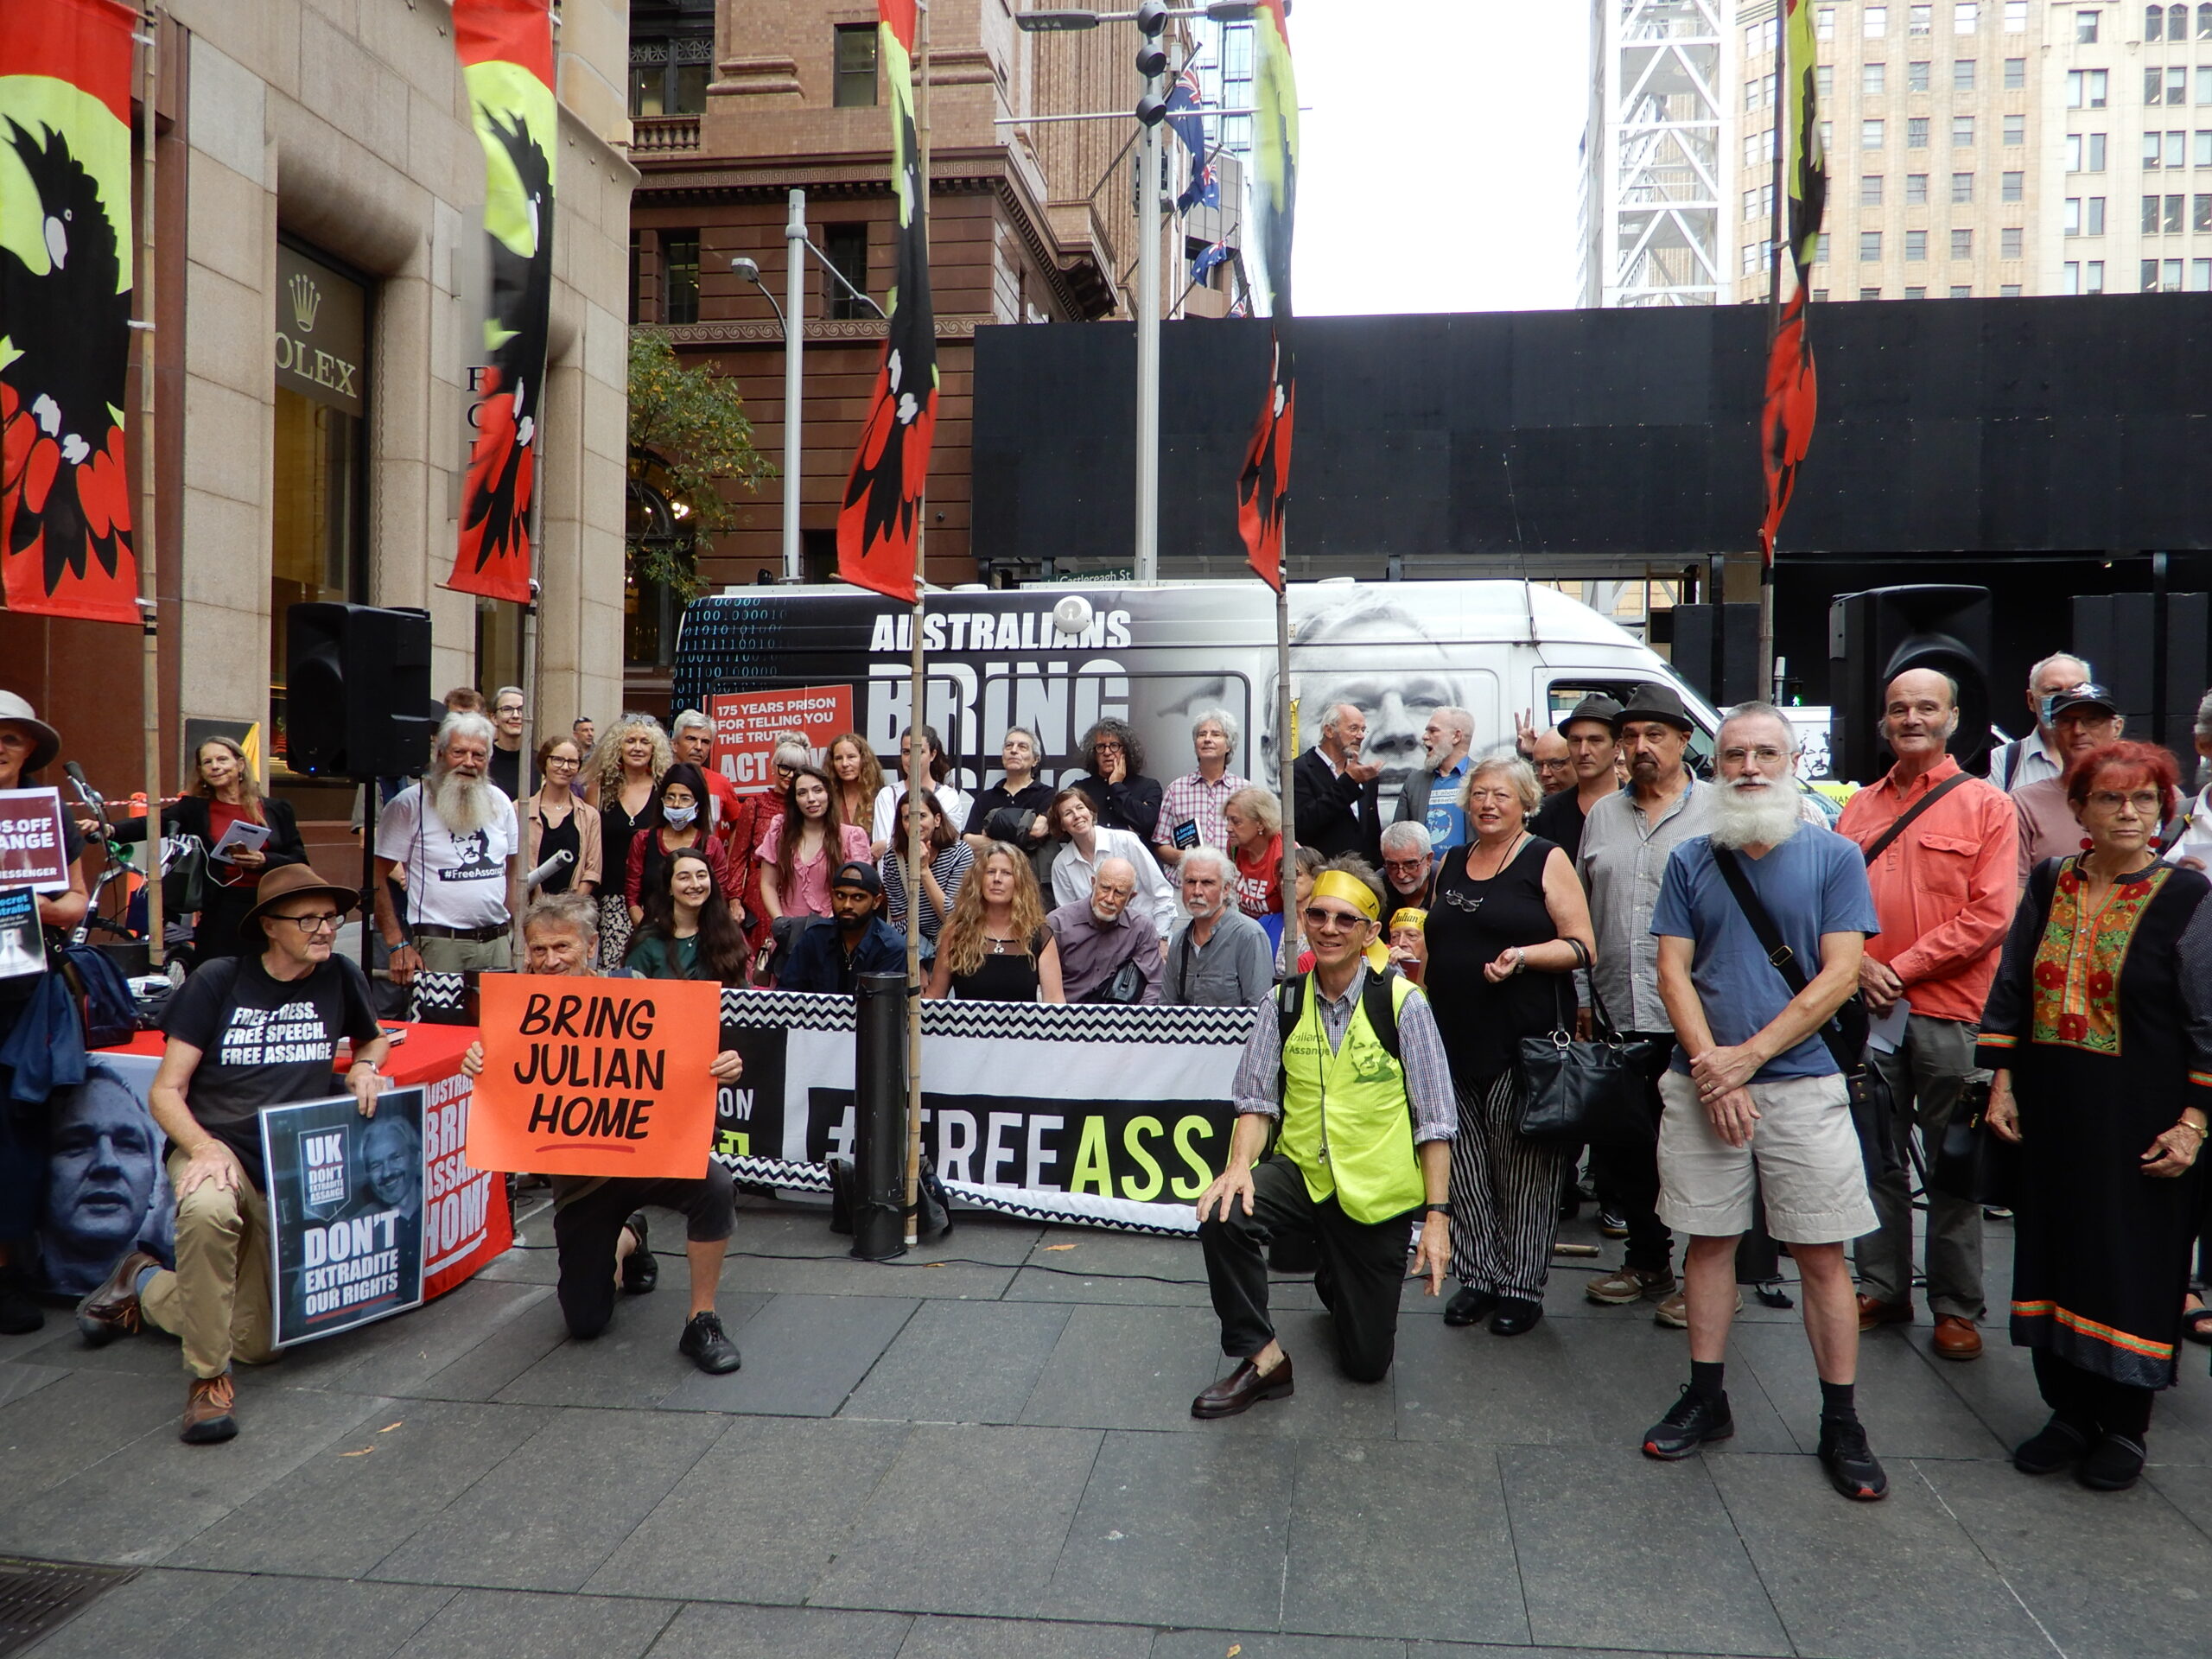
pixel 1597 707
pixel 1656 700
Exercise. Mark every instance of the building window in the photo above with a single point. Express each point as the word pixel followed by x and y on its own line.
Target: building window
pixel 1870 190
pixel 2085 28
pixel 2177 145
pixel 2178 84
pixel 669 77
pixel 1966 16
pixel 2203 149
pixel 2204 85
pixel 1870 244
pixel 1870 293
pixel 2154 22
pixel 2200 275
pixel 2015 187
pixel 1869 134
pixel 2097 153
pixel 1824 23
pixel 1824 79
pixel 855 65
pixel 2150 276
pixel 2015 131
pixel 2152 148
pixel 2071 279
pixel 2200 213
pixel 845 246
pixel 2073 153
pixel 1821 250
pixel 1962 74
pixel 2010 241
pixel 2094 223
pixel 2093 276
pixel 1961 290
pixel 2085 89
pixel 2009 291
pixel 1874 78
pixel 2073 216
pixel 1961 187
pixel 1962 244
pixel 1822 293
pixel 1920 19
pixel 1961 129
pixel 1916 293
pixel 1916 189
pixel 1915 76
pixel 2204 23
pixel 2175 207
pixel 2016 74
pixel 2154 85
pixel 1875 21
pixel 679 275
pixel 2016 16
pixel 1750 266
pixel 1756 147
pixel 1916 132
pixel 1916 246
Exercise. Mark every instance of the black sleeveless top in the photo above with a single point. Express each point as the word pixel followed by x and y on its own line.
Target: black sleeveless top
pixel 562 837
pixel 1469 923
pixel 1006 977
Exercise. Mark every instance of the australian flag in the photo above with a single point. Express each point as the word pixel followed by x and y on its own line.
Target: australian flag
pixel 1184 105
pixel 1207 259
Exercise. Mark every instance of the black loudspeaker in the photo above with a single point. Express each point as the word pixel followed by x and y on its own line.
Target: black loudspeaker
pixel 1874 637
pixel 2124 638
pixel 359 680
pixel 1716 650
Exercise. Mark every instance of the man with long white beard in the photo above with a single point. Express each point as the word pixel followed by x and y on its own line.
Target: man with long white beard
pixel 452 838
pixel 1753 1085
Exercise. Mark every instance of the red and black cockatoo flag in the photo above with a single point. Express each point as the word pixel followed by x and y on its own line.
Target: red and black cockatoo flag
pixel 506 59
pixel 65 307
pixel 881 512
pixel 1263 487
pixel 1786 420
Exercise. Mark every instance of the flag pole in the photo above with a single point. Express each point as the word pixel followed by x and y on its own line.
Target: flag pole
pixel 1783 107
pixel 148 475
pixel 916 692
pixel 1286 758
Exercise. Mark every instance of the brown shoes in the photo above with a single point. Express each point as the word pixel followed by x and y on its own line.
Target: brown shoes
pixel 1956 1338
pixel 1244 1388
pixel 208 1417
pixel 111 1311
pixel 1872 1312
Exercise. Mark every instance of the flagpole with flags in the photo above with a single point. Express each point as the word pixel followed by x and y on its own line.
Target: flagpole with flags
pixel 917 691
pixel 149 603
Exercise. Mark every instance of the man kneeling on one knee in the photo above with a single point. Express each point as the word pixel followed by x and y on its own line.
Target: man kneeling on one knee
pixel 599 1228
pixel 1352 1167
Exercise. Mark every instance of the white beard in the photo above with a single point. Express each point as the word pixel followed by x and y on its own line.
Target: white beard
pixel 463 804
pixel 1754 818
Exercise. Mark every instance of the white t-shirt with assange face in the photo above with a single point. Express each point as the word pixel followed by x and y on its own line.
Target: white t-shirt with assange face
pixel 452 881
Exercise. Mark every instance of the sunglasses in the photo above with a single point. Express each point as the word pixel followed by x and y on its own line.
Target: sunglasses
pixel 1331 921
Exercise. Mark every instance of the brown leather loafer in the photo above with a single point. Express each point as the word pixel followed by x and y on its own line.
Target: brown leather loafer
pixel 1956 1338
pixel 1242 1389
pixel 1872 1312
pixel 111 1311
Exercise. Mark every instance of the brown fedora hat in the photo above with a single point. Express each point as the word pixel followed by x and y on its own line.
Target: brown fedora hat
pixel 290 881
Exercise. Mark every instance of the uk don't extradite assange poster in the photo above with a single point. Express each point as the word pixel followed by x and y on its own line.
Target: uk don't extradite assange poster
pixel 345 1211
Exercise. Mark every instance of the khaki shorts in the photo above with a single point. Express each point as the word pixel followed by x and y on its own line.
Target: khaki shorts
pixel 1805 1150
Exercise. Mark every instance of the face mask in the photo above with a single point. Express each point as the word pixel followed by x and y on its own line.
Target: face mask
pixel 679 818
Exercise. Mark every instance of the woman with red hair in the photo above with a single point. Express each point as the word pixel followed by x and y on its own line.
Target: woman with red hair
pixel 2099 1031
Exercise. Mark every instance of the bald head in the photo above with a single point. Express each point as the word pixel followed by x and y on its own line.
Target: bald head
pixel 1555 764
pixel 1112 885
pixel 1920 710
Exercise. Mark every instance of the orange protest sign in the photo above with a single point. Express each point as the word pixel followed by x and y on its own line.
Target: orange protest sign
pixel 595 1077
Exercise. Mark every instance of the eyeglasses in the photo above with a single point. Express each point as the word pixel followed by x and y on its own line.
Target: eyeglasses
pixel 1405 863
pixel 313 924
pixel 1106 749
pixel 1331 921
pixel 2147 803
pixel 568 762
pixel 1764 756
pixel 506 708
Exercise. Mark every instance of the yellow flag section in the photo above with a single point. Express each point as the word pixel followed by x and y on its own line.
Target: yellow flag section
pixel 595 1077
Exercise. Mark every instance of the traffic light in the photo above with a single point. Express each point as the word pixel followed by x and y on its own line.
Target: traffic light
pixel 358 683
pixel 1152 60
pixel 1877 635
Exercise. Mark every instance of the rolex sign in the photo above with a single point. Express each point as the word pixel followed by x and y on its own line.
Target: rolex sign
pixel 322 332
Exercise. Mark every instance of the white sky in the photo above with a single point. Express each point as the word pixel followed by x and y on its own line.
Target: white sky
pixel 1439 165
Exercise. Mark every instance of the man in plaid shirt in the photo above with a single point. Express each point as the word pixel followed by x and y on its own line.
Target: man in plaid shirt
pixel 1191 805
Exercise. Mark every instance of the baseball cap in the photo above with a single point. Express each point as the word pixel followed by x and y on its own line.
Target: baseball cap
pixel 2083 697
pixel 861 875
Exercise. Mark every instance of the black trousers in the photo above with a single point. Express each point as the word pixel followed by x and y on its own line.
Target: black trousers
pixel 1627 1177
pixel 2083 1397
pixel 1362 1266
pixel 586 1231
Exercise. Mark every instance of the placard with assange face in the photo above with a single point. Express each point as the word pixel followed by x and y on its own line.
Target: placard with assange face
pixel 106 1193
pixel 1371 649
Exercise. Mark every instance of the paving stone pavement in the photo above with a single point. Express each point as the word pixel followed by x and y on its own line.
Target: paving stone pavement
pixel 985 1450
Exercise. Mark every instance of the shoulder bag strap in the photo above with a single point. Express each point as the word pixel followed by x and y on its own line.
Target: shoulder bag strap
pixel 1778 953
pixel 1904 819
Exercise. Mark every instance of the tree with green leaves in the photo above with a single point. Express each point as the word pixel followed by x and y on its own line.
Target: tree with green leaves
pixel 689 437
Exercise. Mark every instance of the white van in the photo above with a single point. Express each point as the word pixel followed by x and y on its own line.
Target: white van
pixel 823 659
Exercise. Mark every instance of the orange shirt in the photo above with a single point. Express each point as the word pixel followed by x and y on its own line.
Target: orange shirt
pixel 1944 889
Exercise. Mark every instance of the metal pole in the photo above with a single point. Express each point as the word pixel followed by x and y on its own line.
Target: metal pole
pixel 1285 759
pixel 916 691
pixel 794 371
pixel 1147 536
pixel 1776 231
pixel 149 472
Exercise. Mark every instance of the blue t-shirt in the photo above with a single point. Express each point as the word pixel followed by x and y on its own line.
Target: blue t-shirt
pixel 1446 819
pixel 1813 883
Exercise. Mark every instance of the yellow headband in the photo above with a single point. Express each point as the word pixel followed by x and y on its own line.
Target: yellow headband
pixel 1335 884
pixel 1411 916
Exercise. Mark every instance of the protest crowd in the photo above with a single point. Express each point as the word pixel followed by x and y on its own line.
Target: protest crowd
pixel 1750 1006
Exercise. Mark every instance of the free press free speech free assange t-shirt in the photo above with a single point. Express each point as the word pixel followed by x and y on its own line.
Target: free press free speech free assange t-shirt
pixel 264 1042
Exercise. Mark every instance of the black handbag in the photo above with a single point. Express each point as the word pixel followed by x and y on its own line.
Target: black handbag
pixel 1590 1092
pixel 1975 1163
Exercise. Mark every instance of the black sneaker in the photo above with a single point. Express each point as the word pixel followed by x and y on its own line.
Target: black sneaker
pixel 640 1268
pixel 1470 1307
pixel 1694 1421
pixel 2111 1466
pixel 1612 1222
pixel 707 1345
pixel 19 1314
pixel 1852 1468
pixel 2058 1445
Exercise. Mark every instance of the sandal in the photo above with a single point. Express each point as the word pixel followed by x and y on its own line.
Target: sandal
pixel 2196 1323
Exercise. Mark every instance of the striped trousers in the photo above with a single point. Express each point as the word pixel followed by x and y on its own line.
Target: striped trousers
pixel 1504 1195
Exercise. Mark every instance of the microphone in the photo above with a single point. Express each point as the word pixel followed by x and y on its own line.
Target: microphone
pixel 85 792
pixel 551 867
